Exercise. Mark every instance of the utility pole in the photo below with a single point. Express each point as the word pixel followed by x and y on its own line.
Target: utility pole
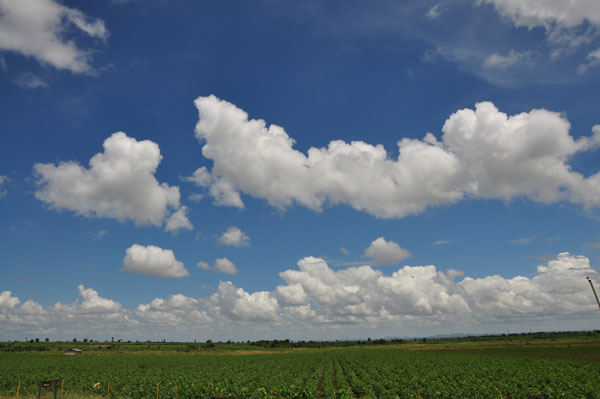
pixel 594 290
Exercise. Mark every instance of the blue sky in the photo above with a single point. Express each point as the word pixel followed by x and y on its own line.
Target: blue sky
pixel 306 170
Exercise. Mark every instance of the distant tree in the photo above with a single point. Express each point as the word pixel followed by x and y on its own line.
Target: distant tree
pixel 37 340
pixel 47 339
pixel 74 339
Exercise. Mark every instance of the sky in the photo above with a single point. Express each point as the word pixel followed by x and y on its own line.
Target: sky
pixel 271 169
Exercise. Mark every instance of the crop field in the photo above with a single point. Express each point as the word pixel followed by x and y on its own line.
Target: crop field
pixel 401 371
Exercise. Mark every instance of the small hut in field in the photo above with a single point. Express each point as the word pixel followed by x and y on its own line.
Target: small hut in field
pixel 73 352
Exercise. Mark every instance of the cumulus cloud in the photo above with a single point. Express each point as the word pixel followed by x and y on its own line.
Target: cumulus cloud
pixel 222 265
pixel 314 295
pixel 362 293
pixel 43 29
pixel 8 302
pixel 235 237
pixel 153 261
pixel 237 304
pixel 179 220
pixel 483 153
pixel 174 311
pixel 386 252
pixel 119 184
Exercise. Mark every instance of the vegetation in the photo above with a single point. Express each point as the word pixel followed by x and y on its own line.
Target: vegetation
pixel 526 366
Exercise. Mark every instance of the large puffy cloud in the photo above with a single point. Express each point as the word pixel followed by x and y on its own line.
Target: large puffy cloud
pixel 119 184
pixel 237 304
pixel 153 261
pixel 315 296
pixel 362 293
pixel 484 153
pixel 176 310
pixel 8 302
pixel 386 252
pixel 38 28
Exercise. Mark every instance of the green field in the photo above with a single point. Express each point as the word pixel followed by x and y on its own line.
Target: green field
pixel 553 367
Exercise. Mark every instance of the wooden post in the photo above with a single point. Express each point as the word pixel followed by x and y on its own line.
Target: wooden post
pixel 18 389
pixel 418 393
pixel 505 394
pixel 157 385
pixel 62 387
pixel 108 384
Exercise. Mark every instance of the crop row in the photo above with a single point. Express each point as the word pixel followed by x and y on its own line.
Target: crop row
pixel 347 373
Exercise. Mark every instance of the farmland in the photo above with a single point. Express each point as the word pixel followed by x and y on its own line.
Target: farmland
pixel 553 368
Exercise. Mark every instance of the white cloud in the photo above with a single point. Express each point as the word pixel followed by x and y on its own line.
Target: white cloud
pixel 203 265
pixel 386 252
pixel 499 61
pixel 435 11
pixel 362 293
pixel 235 237
pixel 119 184
pixel 39 29
pixel 222 265
pixel 237 304
pixel 222 191
pixel 315 297
pixel 225 265
pixel 444 242
pixel 484 153
pixel 153 261
pixel 8 302
pixel 175 311
pixel 591 61
pixel 93 303
pixel 548 14
pixel 179 220
pixel 30 81
pixel 3 180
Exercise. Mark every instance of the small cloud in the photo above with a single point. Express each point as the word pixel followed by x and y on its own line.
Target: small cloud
pixel 96 236
pixel 444 242
pixel 591 61
pixel 386 252
pixel 435 11
pixel 179 220
pixel 3 180
pixel 195 197
pixel 153 261
pixel 203 265
pixel 30 81
pixel 552 239
pixel 524 240
pixel 344 251
pixel 222 265
pixel 235 237
pixel 499 61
